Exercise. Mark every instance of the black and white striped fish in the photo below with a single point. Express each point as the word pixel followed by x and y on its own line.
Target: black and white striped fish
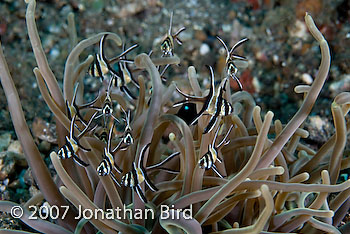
pixel 121 77
pixel 127 137
pixel 137 175
pixel 231 68
pixel 167 44
pixel 70 149
pixel 107 164
pixel 208 160
pixel 221 108
pixel 106 111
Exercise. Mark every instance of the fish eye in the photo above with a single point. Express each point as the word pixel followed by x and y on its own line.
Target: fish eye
pixel 128 139
pixel 165 46
pixel 108 109
pixel 232 68
pixel 99 171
